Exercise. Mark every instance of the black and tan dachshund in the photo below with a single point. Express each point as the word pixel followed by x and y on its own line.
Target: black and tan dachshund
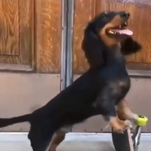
pixel 97 91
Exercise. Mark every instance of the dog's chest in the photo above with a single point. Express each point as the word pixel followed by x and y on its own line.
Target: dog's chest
pixel 120 87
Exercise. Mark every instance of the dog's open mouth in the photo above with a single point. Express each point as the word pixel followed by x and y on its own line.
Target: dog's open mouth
pixel 120 31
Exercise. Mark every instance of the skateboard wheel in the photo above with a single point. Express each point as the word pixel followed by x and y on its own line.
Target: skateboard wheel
pixel 142 121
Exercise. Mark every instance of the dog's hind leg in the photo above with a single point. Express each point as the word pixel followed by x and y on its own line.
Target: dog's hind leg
pixel 58 137
pixel 124 112
pixel 40 134
pixel 56 140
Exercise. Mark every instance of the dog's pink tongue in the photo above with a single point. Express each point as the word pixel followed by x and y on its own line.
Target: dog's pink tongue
pixel 124 32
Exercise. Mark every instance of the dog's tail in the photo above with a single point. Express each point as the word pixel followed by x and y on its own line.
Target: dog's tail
pixel 9 121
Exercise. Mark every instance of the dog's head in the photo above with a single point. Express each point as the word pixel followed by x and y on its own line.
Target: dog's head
pixel 112 27
pixel 106 31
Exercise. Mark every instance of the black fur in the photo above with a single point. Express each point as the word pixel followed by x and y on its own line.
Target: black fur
pixel 89 95
pixel 130 46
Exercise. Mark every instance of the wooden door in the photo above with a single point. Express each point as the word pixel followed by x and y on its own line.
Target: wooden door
pixel 140 23
pixel 16 35
pixel 30 35
pixel 30 41
pixel 48 35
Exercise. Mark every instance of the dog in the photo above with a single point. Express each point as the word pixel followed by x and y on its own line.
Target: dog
pixel 91 46
pixel 96 92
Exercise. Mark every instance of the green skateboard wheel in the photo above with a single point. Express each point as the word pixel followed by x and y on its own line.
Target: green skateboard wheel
pixel 142 121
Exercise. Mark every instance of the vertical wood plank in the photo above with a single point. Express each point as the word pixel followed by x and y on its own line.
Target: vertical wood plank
pixel 48 35
pixel 16 35
pixel 84 12
pixel 9 34
pixel 26 31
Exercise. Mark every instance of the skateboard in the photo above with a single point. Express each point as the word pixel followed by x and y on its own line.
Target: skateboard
pixel 129 141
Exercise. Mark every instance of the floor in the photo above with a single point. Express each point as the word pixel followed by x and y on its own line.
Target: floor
pixel 70 144
pixel 95 146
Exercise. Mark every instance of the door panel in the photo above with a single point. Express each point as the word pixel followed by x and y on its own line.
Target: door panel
pixel 48 39
pixel 84 12
pixel 32 32
pixel 140 23
pixel 16 34
pixel 9 19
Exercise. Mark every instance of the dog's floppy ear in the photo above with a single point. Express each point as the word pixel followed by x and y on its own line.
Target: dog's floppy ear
pixel 130 46
pixel 91 47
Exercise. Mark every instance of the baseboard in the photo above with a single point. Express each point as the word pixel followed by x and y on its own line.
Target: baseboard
pixel 22 137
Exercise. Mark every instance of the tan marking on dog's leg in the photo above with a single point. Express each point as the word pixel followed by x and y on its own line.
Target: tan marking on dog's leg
pixel 124 111
pixel 56 140
pixel 118 125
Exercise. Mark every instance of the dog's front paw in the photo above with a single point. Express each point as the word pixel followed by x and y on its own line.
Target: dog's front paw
pixel 119 126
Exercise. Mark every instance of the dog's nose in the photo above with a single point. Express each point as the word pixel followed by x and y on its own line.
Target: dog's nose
pixel 124 14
